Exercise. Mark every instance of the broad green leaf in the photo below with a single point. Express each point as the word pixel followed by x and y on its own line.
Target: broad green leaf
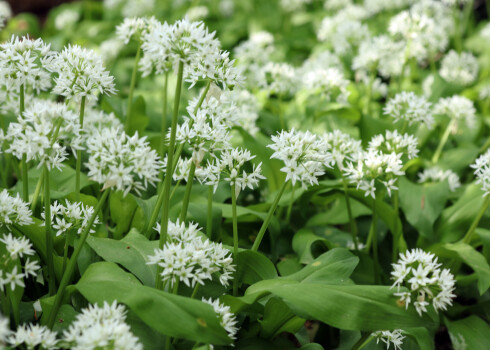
pixel 131 252
pixel 337 214
pixel 253 267
pixel 475 260
pixel 169 314
pixel 279 318
pixel 421 336
pixel 469 333
pixel 122 211
pixel 139 119
pixel 423 203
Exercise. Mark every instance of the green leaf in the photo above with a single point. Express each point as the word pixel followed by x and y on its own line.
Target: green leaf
pixel 337 214
pixel 475 260
pixel 253 267
pixel 131 252
pixel 469 333
pixel 279 318
pixel 139 119
pixel 122 211
pixel 423 203
pixel 169 314
pixel 421 336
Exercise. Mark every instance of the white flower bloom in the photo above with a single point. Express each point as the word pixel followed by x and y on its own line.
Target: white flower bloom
pixel 117 160
pixel 17 247
pixel 33 336
pixel 457 108
pixel 101 327
pixel 133 27
pixel 394 142
pixel 5 13
pixel 129 8
pixel 226 318
pixel 109 49
pixel 71 216
pixel 13 210
pixel 80 73
pixel 377 6
pixel 406 106
pixel 4 329
pixel 242 108
pixel 344 34
pixel 66 19
pixel 437 174
pixel 485 32
pixel 482 172
pixel 189 258
pixel 390 337
pixel 461 69
pixel 197 13
pixel 342 146
pixel 421 274
pixel 329 82
pixel 294 5
pixel 279 78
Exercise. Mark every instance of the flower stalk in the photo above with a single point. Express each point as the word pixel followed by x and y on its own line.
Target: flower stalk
pixel 235 236
pixel 187 194
pixel 79 153
pixel 134 74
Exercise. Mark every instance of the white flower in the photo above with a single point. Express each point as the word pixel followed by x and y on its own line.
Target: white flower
pixel 71 216
pixel 394 142
pixel 342 146
pixel 482 172
pixel 133 27
pixel 243 107
pixel 101 327
pixel 294 5
pixel 279 78
pixel 329 82
pixel 80 73
pixel 406 106
pixel 33 336
pixel 457 108
pixel 13 210
pixel 426 282
pixel 390 337
pixel 226 318
pixel 117 160
pixel 17 247
pixel 461 69
pixel 5 14
pixel 189 258
pixel 66 19
pixel 345 35
pixel 129 8
pixel 437 174
pixel 4 329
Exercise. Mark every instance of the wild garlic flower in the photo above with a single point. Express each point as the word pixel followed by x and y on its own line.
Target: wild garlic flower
pixel 454 2
pixel 484 93
pixel 329 82
pixel 390 337
pixel 436 10
pixel 304 155
pixel 459 109
pixel 190 258
pixel 377 6
pixel 101 327
pixel 13 210
pixel 12 272
pixel 66 19
pixel 22 62
pixel 482 172
pixel 243 109
pixel 134 27
pixel 420 273
pixel 34 337
pixel 129 8
pixel 5 13
pixel 485 32
pixel 334 5
pixel 394 142
pixel 229 166
pixel 294 5
pixel 95 120
pixel 461 69
pixel 344 36
pixel 227 319
pixel 71 216
pixel 408 107
pixel 109 49
pixel 279 79
pixel 321 60
pixel 4 328
pixel 80 72
pixel 342 146
pixel 197 13
pixel 120 161
pixel 436 174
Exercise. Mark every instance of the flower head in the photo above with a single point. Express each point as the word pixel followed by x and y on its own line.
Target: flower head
pixel 437 174
pixel 13 210
pixel 71 216
pixel 460 68
pixel 406 106
pixel 226 318
pixel 482 172
pixel 33 336
pixel 390 337
pixel 457 108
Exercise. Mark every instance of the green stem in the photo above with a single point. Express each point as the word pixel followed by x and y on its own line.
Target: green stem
pixel 468 10
pixel 79 153
pixel 15 305
pixel 37 191
pixel 127 123
pixel 169 172
pixel 168 339
pixel 174 189
pixel 209 219
pixel 396 230
pixel 290 206
pixel 373 239
pixel 365 340
pixel 235 237
pixel 471 231
pixel 187 194
pixel 194 292
pixel 442 142
pixel 25 179
pixel 367 106
pixel 65 253
pixel 163 126
pixel 70 269
pixel 48 233
pixel 272 209
pixel 5 303
pixel 353 225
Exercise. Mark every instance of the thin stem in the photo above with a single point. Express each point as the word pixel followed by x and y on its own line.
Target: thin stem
pixel 209 219
pixel 175 189
pixel 79 153
pixel 65 253
pixel 25 179
pixel 290 206
pixel 70 269
pixel 272 209
pixel 168 175
pixel 365 340
pixel 187 194
pixel 396 230
pixel 353 225
pixel 194 292
pixel 468 10
pixel 367 106
pixel 442 142
pixel 48 233
pixel 168 339
pixel 134 75
pixel 164 125
pixel 471 231
pixel 373 233
pixel 15 305
pixel 235 236
pixel 37 191
pixel 5 303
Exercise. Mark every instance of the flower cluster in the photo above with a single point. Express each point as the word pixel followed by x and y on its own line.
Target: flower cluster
pixel 15 249
pixel 101 327
pixel 5 13
pixel 71 216
pixel 117 160
pixel 461 69
pixel 304 155
pixel 390 337
pixel 394 142
pixel 242 107
pixel 80 73
pixel 129 8
pixel 344 31
pixel 426 282
pixel 279 79
pixel 410 108
pixel 329 82
pixel 437 174
pixel 34 337
pixel 226 318
pixel 482 172
pixel 134 27
pixel 189 258
pixel 13 210
pixel 342 146
pixel 459 109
